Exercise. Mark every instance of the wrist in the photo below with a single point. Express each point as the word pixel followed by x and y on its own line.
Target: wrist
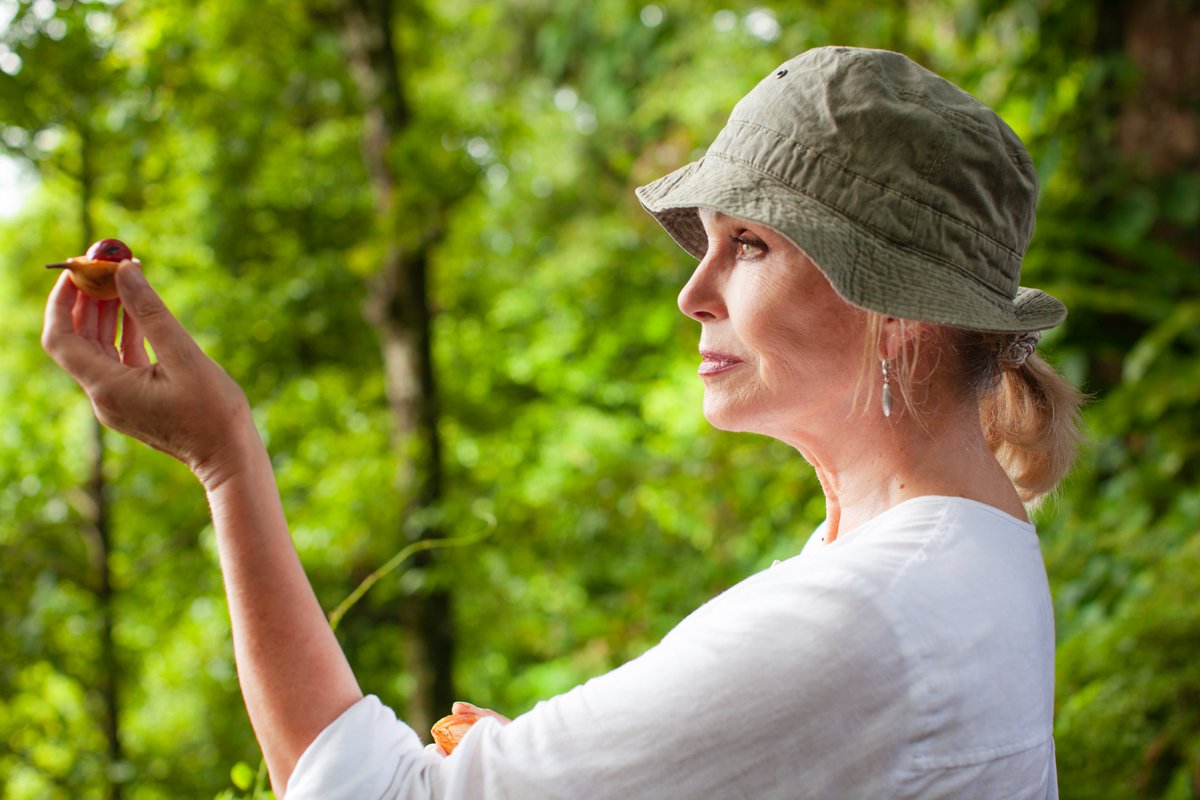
pixel 242 454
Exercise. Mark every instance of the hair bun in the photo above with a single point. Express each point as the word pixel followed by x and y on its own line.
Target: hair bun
pixel 1019 349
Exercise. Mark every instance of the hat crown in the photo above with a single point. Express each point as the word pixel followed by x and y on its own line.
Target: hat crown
pixel 842 124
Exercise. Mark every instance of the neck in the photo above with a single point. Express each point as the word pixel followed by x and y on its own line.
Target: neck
pixel 867 464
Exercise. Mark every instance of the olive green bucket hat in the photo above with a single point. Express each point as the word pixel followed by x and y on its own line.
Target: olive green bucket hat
pixel 912 197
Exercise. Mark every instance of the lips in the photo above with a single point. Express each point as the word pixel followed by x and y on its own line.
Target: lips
pixel 715 363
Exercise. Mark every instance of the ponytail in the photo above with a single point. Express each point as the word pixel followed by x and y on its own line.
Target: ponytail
pixel 1031 422
pixel 1029 413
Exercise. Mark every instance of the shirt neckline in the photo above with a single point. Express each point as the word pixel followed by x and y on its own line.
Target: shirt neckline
pixel 946 500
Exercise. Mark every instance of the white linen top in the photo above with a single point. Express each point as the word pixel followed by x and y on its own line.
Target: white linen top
pixel 911 657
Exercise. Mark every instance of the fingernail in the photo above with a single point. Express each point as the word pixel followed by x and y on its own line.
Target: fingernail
pixel 133 272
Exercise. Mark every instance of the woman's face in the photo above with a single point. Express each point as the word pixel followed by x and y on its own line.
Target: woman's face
pixel 781 350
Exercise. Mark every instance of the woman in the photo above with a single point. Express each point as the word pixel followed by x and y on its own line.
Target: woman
pixel 860 225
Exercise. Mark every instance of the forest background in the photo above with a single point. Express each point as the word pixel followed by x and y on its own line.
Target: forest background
pixel 408 230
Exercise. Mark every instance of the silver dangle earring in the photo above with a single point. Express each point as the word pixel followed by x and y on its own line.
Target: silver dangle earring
pixel 887 389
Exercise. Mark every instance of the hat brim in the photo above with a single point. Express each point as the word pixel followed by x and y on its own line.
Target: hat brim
pixel 866 269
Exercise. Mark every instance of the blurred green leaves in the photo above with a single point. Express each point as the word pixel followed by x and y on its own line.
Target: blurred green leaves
pixel 229 150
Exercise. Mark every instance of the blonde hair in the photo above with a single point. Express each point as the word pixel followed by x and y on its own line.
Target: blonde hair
pixel 1028 412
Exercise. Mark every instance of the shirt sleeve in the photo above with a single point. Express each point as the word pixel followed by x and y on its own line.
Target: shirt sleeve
pixel 365 753
pixel 788 685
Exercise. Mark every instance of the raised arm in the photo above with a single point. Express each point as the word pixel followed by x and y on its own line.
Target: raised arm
pixel 294 677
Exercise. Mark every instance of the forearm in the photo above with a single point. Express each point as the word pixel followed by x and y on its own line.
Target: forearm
pixel 294 676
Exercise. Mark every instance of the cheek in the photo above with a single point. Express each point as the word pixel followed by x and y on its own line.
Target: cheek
pixel 823 344
pixel 786 349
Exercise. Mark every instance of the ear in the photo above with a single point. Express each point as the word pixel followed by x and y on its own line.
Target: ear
pixel 898 335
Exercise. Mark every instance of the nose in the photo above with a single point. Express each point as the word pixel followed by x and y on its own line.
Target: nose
pixel 701 297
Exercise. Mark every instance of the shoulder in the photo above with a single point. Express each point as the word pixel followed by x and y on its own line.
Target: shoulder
pixel 930 550
pixel 957 583
pixel 963 587
pixel 941 611
pixel 925 538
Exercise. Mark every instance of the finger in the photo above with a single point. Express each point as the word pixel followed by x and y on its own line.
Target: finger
pixel 79 313
pixel 76 355
pixel 170 341
pixel 60 309
pixel 436 749
pixel 90 325
pixel 461 707
pixel 133 344
pixel 106 325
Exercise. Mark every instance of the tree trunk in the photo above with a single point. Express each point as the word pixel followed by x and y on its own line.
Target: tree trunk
pixel 99 528
pixel 1157 126
pixel 398 309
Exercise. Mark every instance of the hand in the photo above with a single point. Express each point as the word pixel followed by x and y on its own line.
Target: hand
pixel 466 708
pixel 184 405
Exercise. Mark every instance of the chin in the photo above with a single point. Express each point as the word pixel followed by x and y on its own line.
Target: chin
pixel 723 417
pixel 765 419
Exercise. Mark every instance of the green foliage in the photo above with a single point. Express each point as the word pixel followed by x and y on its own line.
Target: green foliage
pixel 248 783
pixel 224 143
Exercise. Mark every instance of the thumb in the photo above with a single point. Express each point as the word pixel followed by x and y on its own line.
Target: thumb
pixel 168 338
pixel 461 707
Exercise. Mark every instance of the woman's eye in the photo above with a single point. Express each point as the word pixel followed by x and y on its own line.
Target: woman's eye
pixel 746 248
